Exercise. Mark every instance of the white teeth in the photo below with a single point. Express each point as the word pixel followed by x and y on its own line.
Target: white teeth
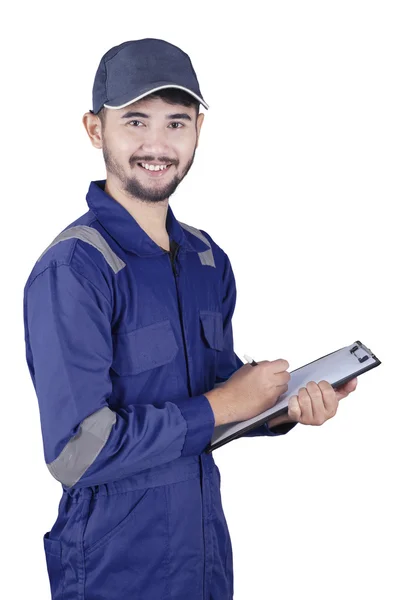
pixel 154 167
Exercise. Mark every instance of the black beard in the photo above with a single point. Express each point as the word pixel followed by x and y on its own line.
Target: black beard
pixel 134 188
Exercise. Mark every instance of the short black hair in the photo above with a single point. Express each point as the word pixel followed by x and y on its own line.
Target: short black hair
pixel 176 96
pixel 169 95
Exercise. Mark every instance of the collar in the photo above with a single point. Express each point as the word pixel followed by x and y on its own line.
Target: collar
pixel 120 224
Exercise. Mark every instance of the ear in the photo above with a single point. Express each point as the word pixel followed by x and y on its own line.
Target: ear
pixel 200 119
pixel 92 124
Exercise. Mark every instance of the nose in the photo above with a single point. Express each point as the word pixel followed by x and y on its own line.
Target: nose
pixel 155 141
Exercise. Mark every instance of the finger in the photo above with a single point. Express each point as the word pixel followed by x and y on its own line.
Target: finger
pixel 294 410
pixel 340 394
pixel 329 398
pixel 279 365
pixel 281 389
pixel 305 406
pixel 350 386
pixel 317 403
pixel 282 378
pixel 345 389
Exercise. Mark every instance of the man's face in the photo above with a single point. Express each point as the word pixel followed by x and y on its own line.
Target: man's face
pixel 150 132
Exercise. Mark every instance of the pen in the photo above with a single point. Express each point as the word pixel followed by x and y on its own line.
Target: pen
pixel 250 360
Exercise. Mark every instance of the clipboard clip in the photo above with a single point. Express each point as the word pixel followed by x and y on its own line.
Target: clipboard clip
pixel 361 359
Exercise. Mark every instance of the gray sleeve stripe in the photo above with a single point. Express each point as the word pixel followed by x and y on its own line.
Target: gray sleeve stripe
pixel 206 257
pixel 95 239
pixel 82 450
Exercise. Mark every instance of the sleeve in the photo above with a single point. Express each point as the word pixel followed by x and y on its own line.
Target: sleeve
pixel 228 361
pixel 69 352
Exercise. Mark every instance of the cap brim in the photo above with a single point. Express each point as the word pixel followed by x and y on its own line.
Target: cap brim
pixel 124 101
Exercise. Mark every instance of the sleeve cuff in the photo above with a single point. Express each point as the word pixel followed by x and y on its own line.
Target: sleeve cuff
pixel 200 420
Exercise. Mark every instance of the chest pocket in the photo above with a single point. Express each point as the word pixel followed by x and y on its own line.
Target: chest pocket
pixel 212 330
pixel 144 348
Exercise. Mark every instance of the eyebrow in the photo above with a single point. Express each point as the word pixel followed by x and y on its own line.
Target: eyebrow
pixel 131 114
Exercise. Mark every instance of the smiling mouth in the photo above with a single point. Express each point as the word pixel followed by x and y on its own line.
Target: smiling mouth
pixel 154 170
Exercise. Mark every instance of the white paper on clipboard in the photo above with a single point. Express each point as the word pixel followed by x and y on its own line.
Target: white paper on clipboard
pixel 336 368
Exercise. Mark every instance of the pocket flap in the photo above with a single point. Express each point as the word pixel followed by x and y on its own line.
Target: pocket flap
pixel 51 546
pixel 144 348
pixel 54 564
pixel 211 322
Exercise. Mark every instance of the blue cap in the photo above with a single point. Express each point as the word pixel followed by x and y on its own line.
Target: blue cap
pixel 134 69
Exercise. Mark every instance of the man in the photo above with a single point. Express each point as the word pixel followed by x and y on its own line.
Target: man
pixel 128 330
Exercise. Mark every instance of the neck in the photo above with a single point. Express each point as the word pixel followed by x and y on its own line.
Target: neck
pixel 151 217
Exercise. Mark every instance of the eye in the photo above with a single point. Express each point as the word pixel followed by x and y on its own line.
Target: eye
pixel 134 121
pixel 176 123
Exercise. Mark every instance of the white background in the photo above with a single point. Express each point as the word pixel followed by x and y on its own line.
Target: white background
pixel 297 178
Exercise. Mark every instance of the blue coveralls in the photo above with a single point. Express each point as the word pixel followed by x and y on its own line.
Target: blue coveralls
pixel 122 341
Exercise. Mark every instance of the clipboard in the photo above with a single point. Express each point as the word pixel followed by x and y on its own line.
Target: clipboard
pixel 337 368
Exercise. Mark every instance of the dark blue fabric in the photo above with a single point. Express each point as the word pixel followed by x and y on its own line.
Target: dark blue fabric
pixel 137 67
pixel 145 520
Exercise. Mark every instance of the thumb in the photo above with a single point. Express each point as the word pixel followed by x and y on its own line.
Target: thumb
pixel 294 410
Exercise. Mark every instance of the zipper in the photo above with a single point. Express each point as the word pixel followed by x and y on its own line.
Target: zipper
pixel 173 256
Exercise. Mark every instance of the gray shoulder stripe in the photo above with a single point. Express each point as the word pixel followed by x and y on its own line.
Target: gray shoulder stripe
pixel 206 257
pixel 95 239
pixel 195 232
pixel 82 450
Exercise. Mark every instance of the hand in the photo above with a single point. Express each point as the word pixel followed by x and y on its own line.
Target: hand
pixel 315 404
pixel 249 391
